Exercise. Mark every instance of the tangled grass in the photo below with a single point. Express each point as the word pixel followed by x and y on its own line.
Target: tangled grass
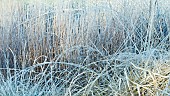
pixel 84 48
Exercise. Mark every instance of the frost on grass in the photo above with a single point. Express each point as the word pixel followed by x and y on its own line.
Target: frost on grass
pixel 79 48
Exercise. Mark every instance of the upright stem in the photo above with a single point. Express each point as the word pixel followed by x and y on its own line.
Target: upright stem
pixel 151 19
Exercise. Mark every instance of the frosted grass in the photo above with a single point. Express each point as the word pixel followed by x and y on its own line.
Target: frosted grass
pixel 84 47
